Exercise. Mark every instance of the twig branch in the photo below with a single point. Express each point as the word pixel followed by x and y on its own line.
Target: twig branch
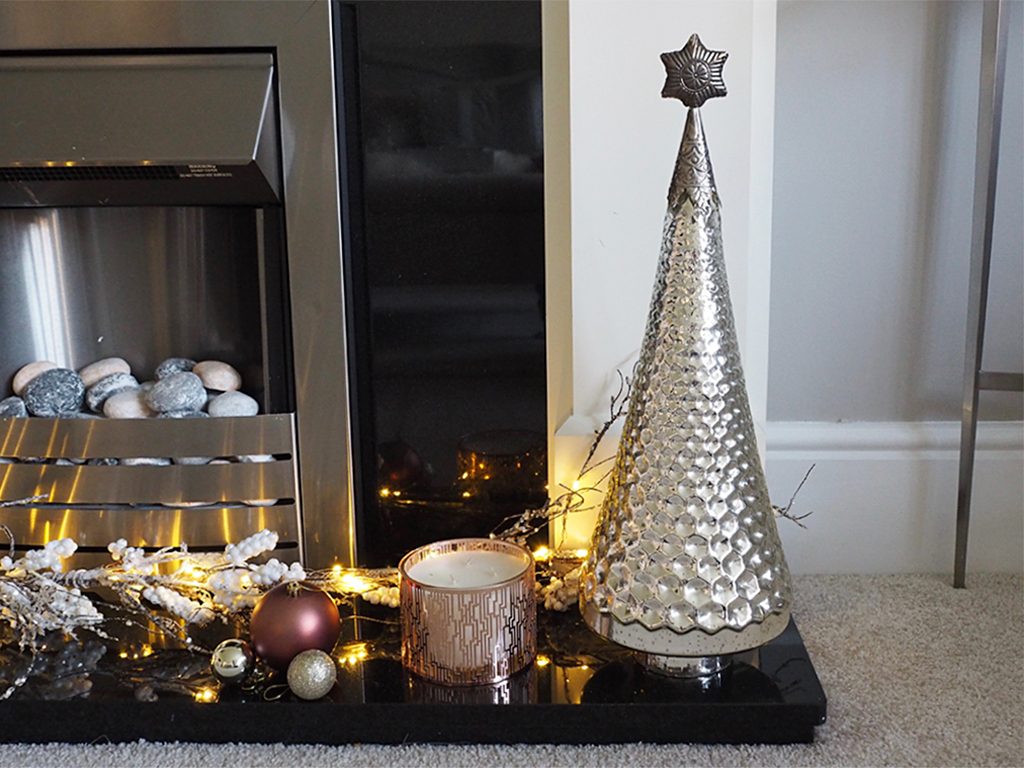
pixel 617 409
pixel 785 511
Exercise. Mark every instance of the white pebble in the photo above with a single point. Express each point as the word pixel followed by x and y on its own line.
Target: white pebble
pixel 93 372
pixel 28 372
pixel 218 375
pixel 232 404
pixel 130 404
pixel 145 461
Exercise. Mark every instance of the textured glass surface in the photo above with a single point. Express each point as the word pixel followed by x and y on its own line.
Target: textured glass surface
pixel 686 543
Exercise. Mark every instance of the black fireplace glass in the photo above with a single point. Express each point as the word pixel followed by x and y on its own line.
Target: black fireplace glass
pixel 442 185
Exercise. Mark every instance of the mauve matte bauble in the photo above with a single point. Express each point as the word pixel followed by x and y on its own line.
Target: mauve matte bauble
pixel 292 618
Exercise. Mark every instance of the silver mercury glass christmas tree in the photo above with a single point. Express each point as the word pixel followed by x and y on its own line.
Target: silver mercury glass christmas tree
pixel 686 566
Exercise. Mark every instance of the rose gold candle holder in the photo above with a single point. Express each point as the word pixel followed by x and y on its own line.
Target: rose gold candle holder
pixel 468 635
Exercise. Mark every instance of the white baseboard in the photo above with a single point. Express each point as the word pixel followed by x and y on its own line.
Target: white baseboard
pixel 883 495
pixel 908 437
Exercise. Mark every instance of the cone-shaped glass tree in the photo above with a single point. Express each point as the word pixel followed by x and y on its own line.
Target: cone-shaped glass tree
pixel 686 565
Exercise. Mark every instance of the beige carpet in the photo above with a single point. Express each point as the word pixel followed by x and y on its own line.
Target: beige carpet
pixel 917 673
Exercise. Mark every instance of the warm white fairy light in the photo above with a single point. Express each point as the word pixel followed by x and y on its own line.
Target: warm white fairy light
pixel 353 653
pixel 351 582
pixel 37 596
pixel 205 695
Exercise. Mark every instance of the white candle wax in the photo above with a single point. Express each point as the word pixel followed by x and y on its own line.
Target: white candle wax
pixel 467 569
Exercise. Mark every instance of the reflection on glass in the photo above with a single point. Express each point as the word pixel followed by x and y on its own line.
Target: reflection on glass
pixel 451 267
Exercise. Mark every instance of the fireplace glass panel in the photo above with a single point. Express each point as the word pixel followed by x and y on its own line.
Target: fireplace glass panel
pixel 443 132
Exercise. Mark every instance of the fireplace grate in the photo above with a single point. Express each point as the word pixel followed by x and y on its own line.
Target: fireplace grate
pixel 205 505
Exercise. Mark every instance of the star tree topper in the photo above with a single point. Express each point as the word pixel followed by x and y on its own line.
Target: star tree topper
pixel 693 74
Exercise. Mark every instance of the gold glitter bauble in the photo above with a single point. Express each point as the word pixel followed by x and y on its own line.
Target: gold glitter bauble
pixel 312 674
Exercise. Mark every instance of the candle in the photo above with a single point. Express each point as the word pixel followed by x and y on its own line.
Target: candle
pixel 468 611
pixel 467 569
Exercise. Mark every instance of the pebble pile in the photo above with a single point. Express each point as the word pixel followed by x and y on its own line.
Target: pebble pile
pixel 181 389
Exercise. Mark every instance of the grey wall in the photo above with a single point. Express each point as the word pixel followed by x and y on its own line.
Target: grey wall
pixel 874 158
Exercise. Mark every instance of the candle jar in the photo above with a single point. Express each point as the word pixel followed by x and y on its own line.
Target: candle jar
pixel 468 609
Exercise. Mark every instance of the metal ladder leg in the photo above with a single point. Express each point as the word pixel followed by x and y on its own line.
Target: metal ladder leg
pixel 990 109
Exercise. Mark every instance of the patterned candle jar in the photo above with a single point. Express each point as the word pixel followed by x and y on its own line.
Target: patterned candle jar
pixel 469 614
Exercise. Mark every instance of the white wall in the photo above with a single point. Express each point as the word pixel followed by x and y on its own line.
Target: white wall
pixel 876 120
pixel 874 165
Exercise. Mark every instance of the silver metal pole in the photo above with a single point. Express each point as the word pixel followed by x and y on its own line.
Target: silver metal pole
pixel 990 110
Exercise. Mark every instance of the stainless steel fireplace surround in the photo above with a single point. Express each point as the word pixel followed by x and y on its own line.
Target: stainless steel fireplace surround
pixel 168 186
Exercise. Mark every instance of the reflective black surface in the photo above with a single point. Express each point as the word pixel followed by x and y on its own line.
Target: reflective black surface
pixel 581 690
pixel 443 180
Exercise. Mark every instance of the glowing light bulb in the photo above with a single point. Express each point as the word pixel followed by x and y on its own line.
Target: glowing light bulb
pixel 205 695
pixel 352 583
pixel 353 654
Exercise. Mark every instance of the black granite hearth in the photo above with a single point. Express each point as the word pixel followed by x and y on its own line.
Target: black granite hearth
pixel 581 690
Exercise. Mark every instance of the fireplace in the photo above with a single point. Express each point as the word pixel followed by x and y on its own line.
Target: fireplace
pixel 169 187
pixel 343 202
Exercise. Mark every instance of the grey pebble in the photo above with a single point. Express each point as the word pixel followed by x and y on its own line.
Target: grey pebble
pixel 233 404
pixel 177 392
pixel 102 462
pixel 145 461
pixel 12 407
pixel 107 387
pixel 192 460
pixel 184 415
pixel 173 365
pixel 56 392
